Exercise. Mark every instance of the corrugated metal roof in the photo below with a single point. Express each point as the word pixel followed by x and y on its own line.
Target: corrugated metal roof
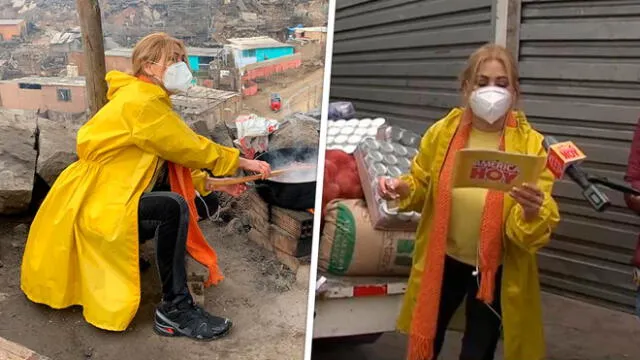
pixel 199 51
pixel 200 99
pixel 64 38
pixel 53 81
pixel 11 21
pixel 259 42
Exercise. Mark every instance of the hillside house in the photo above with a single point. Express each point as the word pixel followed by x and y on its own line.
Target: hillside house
pixel 57 94
pixel 318 33
pixel 248 59
pixel 247 51
pixel 12 29
pixel 67 96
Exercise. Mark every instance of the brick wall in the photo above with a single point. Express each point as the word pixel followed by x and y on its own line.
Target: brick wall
pixel 12 97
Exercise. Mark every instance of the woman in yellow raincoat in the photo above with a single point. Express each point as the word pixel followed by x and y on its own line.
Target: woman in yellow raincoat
pixel 472 243
pixel 83 245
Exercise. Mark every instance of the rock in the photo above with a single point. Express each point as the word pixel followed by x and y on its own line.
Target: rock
pixel 11 350
pixel 57 145
pixel 21 230
pixel 201 128
pixel 237 226
pixel 295 134
pixel 219 134
pixel 53 166
pixel 18 157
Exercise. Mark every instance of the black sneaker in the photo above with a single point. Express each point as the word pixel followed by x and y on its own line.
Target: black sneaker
pixel 188 319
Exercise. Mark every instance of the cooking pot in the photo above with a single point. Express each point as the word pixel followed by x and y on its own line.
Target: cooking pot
pixel 296 190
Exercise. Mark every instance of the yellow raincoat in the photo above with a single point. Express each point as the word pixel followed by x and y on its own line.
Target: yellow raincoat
pixel 521 303
pixel 83 243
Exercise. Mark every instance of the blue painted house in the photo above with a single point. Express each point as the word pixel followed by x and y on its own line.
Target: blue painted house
pixel 200 58
pixel 247 51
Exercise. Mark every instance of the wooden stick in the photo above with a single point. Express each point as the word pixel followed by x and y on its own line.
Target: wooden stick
pixel 246 179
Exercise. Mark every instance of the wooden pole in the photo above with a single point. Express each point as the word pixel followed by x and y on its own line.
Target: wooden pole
pixel 93 43
pixel 514 17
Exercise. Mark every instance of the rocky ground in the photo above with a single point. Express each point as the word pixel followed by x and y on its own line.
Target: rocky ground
pixel 264 299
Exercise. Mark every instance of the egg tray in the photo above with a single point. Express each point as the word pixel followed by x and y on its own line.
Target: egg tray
pixel 345 135
pixel 376 159
pixel 398 135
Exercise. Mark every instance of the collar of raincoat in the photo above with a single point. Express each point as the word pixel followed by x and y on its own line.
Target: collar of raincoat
pixel 117 80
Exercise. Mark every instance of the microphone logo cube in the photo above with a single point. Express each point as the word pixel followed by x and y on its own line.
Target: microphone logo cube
pixel 562 155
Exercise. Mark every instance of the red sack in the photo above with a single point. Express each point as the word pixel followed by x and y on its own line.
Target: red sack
pixel 341 179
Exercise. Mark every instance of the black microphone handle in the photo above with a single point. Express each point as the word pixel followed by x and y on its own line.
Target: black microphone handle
pixel 596 198
pixel 578 176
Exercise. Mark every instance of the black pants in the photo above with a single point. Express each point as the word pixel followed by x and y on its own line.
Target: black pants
pixel 483 326
pixel 166 214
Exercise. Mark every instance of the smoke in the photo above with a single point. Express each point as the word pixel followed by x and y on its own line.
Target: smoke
pixel 286 158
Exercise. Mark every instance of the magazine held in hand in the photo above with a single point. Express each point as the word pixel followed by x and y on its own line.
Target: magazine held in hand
pixel 498 170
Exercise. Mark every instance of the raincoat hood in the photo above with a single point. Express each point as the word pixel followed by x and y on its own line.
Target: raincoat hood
pixel 116 80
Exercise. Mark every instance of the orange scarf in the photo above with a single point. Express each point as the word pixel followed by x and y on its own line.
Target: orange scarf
pixel 425 315
pixel 197 245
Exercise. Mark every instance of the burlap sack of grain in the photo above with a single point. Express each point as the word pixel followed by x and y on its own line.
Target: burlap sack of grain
pixel 351 246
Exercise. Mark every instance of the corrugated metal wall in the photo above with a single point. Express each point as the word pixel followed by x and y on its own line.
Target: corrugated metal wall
pixel 400 59
pixel 580 70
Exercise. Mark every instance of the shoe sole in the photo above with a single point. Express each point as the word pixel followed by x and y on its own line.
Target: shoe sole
pixel 172 331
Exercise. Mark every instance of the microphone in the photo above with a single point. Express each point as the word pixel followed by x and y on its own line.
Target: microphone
pixel 561 155
pixel 563 158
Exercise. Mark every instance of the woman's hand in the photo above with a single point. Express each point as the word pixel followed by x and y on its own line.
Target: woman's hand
pixel 256 166
pixel 530 197
pixel 392 189
pixel 234 190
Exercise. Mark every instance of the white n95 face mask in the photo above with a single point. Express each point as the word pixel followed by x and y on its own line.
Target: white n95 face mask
pixel 490 103
pixel 178 78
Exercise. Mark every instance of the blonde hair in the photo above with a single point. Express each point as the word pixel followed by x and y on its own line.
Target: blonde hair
pixel 152 48
pixel 486 53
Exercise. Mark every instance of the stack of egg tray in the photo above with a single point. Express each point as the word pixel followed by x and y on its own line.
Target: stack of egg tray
pixel 345 135
pixel 380 157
